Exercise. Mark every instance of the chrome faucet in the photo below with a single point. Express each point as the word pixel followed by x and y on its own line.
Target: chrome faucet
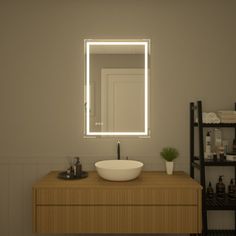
pixel 118 150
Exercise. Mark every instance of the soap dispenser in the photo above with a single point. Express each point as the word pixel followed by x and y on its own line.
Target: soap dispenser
pixel 210 191
pixel 78 167
pixel 232 190
pixel 220 188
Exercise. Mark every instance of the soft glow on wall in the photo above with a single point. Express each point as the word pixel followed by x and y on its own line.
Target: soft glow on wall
pixel 88 44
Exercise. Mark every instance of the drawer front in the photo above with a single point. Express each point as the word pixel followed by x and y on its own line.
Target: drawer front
pixel 117 219
pixel 109 196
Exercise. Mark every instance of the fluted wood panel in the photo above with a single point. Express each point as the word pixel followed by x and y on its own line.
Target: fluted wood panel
pixel 172 190
pixel 152 203
pixel 117 219
pixel 148 196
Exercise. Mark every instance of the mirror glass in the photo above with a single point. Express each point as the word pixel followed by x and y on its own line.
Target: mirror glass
pixel 116 87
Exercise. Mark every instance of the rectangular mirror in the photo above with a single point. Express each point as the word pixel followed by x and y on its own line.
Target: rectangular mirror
pixel 116 87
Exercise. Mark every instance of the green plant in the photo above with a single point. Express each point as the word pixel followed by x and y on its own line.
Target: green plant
pixel 169 153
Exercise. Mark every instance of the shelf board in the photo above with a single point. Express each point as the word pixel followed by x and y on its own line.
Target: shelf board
pixel 220 125
pixel 196 163
pixel 220 204
pixel 219 163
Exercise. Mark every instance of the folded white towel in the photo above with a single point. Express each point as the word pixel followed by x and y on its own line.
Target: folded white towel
pixel 211 121
pixel 228 121
pixel 227 116
pixel 226 112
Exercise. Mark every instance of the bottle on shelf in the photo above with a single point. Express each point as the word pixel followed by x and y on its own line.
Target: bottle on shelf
pixel 214 156
pixel 218 138
pixel 225 144
pixel 208 142
pixel 232 190
pixel 220 188
pixel 210 191
pixel 208 154
pixel 234 146
pixel 221 153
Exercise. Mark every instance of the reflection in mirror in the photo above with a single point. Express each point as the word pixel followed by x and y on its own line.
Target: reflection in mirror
pixel 116 87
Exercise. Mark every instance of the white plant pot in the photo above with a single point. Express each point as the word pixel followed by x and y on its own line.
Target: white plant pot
pixel 169 167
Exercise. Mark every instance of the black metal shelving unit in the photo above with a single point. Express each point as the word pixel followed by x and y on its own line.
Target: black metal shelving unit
pixel 200 163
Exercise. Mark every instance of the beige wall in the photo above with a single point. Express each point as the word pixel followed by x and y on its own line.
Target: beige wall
pixel 42 69
pixel 193 55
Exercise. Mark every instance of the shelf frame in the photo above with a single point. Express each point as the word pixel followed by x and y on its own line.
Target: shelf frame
pixel 200 163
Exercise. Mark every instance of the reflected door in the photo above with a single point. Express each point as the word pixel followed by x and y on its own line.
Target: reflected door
pixel 122 100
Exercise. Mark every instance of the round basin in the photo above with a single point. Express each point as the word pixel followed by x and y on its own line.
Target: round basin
pixel 119 170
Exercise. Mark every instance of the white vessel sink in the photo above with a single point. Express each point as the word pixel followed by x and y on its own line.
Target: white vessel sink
pixel 119 170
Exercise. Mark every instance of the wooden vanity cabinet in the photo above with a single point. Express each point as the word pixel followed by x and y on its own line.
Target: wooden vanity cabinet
pixel 153 203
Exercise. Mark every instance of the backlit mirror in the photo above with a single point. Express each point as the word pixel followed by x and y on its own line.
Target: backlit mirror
pixel 117 87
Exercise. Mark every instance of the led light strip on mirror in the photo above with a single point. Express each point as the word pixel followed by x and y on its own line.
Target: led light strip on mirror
pixel 88 44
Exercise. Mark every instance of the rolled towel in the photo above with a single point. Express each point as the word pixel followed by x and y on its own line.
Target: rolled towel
pixel 211 115
pixel 216 120
pixel 211 121
pixel 210 118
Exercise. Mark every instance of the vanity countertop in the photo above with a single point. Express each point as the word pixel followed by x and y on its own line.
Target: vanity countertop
pixel 155 179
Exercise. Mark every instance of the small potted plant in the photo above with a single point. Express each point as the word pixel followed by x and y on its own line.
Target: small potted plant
pixel 169 154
